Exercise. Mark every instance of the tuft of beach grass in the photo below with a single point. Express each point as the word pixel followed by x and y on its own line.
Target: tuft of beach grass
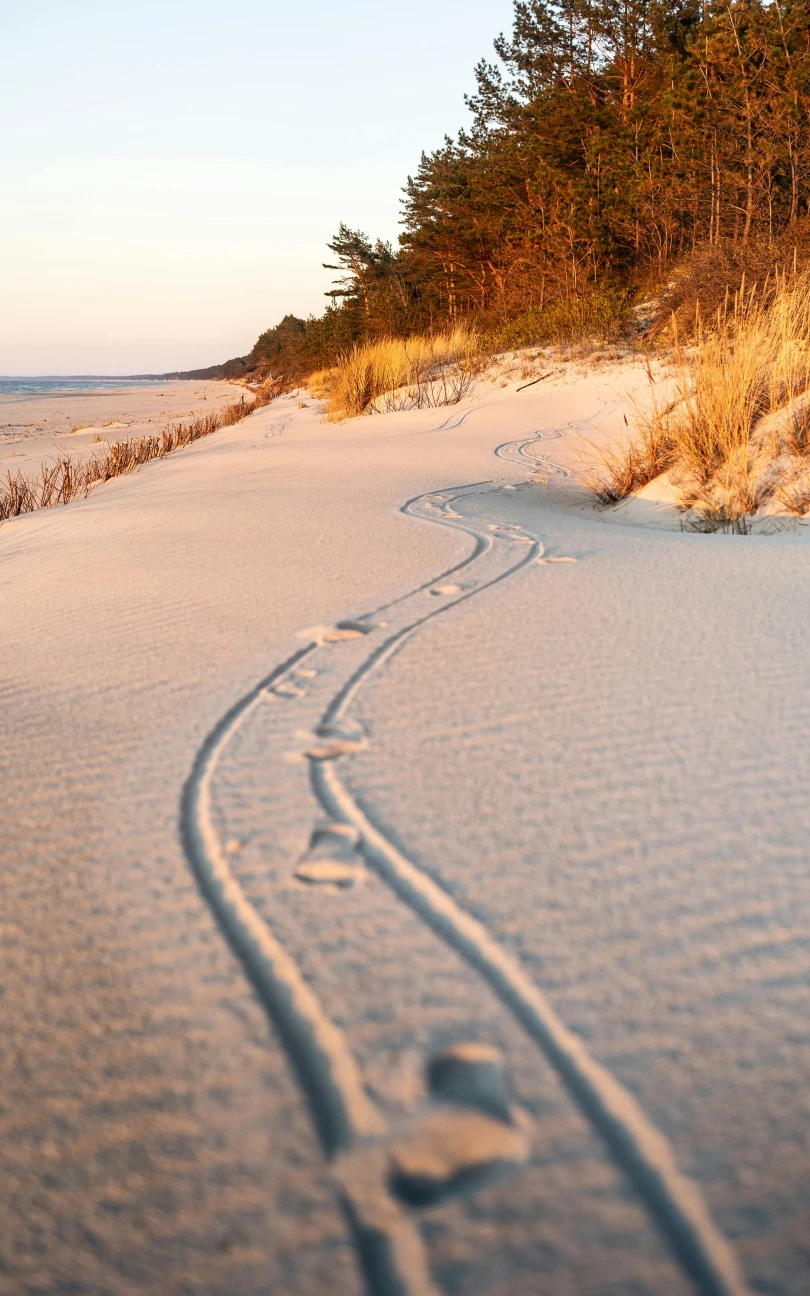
pixel 400 373
pixel 737 434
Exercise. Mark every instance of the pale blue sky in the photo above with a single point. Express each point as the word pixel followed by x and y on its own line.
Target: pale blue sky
pixel 172 169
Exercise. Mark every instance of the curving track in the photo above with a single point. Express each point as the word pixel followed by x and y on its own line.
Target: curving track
pixel 301 716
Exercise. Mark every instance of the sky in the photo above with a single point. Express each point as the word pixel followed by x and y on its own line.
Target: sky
pixel 171 170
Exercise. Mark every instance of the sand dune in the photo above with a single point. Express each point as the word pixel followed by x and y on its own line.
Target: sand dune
pixel 393 840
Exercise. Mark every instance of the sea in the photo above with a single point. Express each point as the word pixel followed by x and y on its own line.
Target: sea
pixel 11 386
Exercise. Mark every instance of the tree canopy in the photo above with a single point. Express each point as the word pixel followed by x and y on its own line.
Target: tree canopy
pixel 607 139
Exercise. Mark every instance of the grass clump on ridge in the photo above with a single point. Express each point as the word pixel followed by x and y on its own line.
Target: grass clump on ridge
pixel 417 372
pixel 736 436
pixel 66 477
pixel 400 373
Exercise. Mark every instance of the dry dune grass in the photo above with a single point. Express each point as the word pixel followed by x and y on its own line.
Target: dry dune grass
pixel 319 382
pixel 737 433
pixel 400 373
pixel 67 476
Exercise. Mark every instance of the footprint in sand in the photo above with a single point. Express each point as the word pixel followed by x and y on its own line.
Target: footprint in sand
pixel 472 1136
pixel 510 532
pixel 469 1136
pixel 360 625
pixel 324 634
pixel 344 728
pixel 332 858
pixel 287 688
pixel 334 747
pixel 339 738
pixel 336 635
pixel 352 629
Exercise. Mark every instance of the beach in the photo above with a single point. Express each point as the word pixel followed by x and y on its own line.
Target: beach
pixel 569 759
pixel 38 426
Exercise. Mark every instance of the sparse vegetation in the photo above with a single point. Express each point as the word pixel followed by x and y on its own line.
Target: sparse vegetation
pixel 599 317
pixel 63 479
pixel 736 436
pixel 400 373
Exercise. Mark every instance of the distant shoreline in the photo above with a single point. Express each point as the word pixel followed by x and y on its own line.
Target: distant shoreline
pixel 23 385
pixel 63 386
pixel 185 375
pixel 41 418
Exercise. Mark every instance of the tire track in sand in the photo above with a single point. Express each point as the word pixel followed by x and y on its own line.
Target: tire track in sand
pixel 388 1244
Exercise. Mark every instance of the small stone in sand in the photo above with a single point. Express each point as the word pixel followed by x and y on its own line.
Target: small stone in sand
pixel 446 589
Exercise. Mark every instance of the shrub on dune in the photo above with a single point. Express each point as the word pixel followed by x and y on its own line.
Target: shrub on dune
pixel 401 373
pixel 319 383
pixel 737 433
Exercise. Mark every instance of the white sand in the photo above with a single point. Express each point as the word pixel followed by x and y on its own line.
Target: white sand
pixel 605 762
pixel 37 426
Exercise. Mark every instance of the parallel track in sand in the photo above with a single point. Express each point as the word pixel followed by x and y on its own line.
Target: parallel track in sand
pixel 386 1236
